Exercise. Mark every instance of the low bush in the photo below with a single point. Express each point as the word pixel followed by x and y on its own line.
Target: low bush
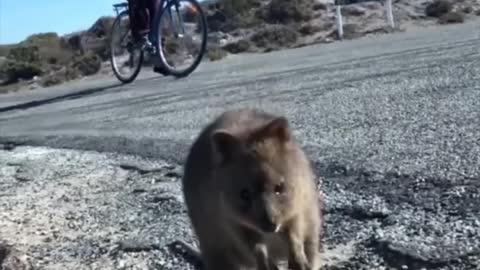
pixel 216 53
pixel 240 46
pixel 13 71
pixel 451 17
pixel 24 53
pixel 87 64
pixel 287 11
pixel 275 36
pixel 438 8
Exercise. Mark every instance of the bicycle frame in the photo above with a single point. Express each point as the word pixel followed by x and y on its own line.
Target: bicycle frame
pixel 158 35
pixel 121 7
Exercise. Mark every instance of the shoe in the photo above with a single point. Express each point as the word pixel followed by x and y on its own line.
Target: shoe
pixel 160 70
pixel 141 42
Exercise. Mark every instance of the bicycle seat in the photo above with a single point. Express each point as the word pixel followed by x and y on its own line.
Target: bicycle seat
pixel 120 5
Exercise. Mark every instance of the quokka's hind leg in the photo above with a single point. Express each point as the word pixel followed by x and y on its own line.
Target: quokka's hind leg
pixel 312 252
pixel 262 258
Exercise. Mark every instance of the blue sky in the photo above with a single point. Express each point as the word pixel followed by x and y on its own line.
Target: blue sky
pixel 20 18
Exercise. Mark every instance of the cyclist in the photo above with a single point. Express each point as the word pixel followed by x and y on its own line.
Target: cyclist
pixel 141 14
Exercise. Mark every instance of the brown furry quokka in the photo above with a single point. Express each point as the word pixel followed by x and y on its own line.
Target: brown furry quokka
pixel 246 180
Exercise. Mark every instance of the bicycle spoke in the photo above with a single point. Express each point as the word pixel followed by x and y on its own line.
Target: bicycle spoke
pixel 126 59
pixel 180 50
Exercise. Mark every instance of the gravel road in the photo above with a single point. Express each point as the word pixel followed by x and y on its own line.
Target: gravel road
pixel 392 124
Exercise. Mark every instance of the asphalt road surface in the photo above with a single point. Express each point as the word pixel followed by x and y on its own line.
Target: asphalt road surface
pixel 391 122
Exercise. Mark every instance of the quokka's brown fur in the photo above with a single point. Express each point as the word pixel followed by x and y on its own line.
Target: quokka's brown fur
pixel 246 183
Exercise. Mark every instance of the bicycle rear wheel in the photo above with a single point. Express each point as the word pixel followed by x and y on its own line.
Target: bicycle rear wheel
pixel 126 58
pixel 181 36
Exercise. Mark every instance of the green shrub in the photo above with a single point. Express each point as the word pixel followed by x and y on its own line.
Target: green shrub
pixel 42 39
pixel 4 50
pixel 87 64
pixel 24 54
pixel 13 71
pixel 46 48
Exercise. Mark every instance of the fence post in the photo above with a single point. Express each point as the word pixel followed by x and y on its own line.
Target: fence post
pixel 339 21
pixel 389 11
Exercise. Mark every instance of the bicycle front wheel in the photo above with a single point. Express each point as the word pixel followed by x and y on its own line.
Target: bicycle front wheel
pixel 181 36
pixel 126 58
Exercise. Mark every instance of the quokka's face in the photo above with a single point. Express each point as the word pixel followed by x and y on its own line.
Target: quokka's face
pixel 253 168
pixel 257 193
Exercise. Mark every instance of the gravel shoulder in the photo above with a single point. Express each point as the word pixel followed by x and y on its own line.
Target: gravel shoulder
pixel 85 210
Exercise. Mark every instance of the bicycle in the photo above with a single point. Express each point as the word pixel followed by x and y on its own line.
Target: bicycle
pixel 158 32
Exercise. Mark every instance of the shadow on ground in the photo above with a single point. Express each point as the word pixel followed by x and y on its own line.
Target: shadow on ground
pixel 71 96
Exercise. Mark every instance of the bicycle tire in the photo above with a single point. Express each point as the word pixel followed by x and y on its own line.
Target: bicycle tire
pixel 134 75
pixel 158 45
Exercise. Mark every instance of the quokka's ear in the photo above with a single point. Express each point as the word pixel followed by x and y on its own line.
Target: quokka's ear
pixel 278 128
pixel 225 145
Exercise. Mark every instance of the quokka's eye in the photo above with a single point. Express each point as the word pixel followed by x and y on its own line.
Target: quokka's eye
pixel 279 188
pixel 245 194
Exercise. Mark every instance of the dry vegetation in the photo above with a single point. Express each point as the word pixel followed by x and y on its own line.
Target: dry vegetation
pixel 54 59
pixel 235 26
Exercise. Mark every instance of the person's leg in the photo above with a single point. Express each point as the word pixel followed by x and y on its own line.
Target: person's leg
pixel 153 8
pixel 139 20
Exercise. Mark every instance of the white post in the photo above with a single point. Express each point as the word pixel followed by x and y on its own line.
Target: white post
pixel 389 11
pixel 339 21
